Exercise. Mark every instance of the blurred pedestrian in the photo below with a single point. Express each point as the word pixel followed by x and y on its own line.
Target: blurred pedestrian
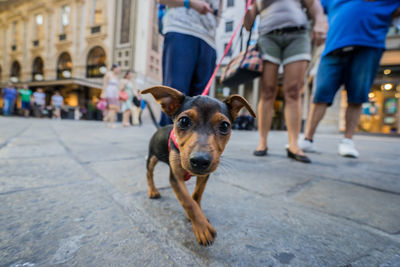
pixel 284 40
pixel 354 47
pixel 127 105
pixel 39 102
pixel 110 93
pixel 9 96
pixel 189 45
pixel 26 99
pixel 136 108
pixel 57 104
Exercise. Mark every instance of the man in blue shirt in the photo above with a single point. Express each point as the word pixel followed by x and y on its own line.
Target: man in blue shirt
pixel 9 95
pixel 354 47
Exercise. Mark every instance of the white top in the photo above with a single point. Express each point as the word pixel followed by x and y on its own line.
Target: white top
pixel 277 14
pixel 57 100
pixel 112 87
pixel 39 98
pixel 189 21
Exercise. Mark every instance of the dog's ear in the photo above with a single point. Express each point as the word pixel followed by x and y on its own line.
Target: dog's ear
pixel 235 103
pixel 169 98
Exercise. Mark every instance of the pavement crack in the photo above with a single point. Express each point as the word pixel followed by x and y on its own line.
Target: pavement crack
pixel 9 140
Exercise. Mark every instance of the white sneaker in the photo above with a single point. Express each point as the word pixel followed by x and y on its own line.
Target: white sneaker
pixel 306 145
pixel 347 149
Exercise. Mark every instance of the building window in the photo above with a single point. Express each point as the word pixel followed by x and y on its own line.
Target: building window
pixel 229 26
pixel 37 69
pixel 38 27
pixel 96 63
pixel 65 13
pixel 125 21
pixel 154 34
pixel 229 54
pixel 97 12
pixel 14 32
pixel 230 3
pixel 64 66
pixel 15 72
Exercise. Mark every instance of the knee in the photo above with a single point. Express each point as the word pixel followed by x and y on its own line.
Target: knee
pixel 292 92
pixel 268 93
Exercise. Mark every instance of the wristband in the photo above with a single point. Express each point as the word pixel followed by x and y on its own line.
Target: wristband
pixel 186 4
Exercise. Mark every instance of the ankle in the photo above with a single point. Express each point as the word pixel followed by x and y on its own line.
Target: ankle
pixel 309 139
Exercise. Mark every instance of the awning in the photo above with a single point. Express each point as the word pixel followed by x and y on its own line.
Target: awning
pixel 94 83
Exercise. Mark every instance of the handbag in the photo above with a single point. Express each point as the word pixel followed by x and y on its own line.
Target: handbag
pixel 244 67
pixel 136 101
pixel 123 95
pixel 102 104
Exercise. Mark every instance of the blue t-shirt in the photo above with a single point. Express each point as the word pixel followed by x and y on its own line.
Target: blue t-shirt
pixel 358 22
pixel 10 93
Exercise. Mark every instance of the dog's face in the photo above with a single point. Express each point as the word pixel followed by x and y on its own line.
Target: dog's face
pixel 202 126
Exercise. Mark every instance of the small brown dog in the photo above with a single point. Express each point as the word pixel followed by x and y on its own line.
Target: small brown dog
pixel 192 146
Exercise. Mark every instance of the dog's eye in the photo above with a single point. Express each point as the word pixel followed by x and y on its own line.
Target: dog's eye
pixel 224 128
pixel 184 123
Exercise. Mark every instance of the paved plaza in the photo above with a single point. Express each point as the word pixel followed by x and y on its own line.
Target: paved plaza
pixel 74 193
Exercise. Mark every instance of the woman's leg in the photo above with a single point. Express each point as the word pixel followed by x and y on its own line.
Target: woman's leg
pixel 135 115
pixel 113 114
pixel 293 80
pixel 125 117
pixel 268 91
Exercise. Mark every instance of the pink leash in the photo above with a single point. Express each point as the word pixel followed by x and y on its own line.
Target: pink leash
pixel 228 46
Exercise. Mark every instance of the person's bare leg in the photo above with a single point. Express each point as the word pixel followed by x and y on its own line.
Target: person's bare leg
pixel 113 113
pixel 293 81
pixel 125 117
pixel 268 91
pixel 353 113
pixel 317 112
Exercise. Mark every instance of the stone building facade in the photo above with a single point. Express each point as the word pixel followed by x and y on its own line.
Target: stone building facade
pixel 68 45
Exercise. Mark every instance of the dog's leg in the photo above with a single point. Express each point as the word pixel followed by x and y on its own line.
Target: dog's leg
pixel 201 182
pixel 152 190
pixel 202 229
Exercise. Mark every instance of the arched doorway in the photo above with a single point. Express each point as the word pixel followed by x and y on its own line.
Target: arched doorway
pixel 64 66
pixel 96 63
pixel 37 69
pixel 15 72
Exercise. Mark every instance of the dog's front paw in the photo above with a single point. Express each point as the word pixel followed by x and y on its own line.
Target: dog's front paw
pixel 204 233
pixel 153 194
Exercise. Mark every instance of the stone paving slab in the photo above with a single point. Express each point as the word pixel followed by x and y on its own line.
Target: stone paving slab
pixel 39 172
pixel 64 226
pixel 364 205
pixel 87 205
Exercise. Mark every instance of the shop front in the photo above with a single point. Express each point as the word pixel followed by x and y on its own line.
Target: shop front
pixel 382 113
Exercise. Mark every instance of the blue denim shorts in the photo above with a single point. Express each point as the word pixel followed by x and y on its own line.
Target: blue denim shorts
pixel 355 68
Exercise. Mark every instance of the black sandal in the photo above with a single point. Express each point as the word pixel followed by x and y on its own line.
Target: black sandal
pixel 260 153
pixel 297 157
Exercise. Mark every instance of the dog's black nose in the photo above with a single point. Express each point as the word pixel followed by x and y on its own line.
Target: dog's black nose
pixel 200 160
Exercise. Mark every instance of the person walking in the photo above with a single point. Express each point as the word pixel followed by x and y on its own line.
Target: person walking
pixel 189 52
pixel 9 96
pixel 39 102
pixel 127 105
pixel 26 99
pixel 284 40
pixel 110 93
pixel 354 47
pixel 57 103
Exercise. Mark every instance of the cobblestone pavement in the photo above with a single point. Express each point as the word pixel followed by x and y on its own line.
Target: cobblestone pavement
pixel 74 194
